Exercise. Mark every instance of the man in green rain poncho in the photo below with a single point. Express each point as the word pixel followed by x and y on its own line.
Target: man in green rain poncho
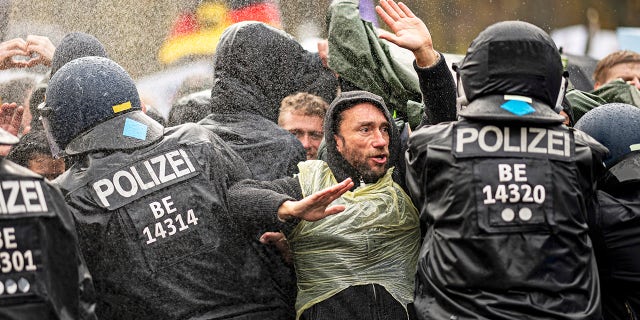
pixel 360 263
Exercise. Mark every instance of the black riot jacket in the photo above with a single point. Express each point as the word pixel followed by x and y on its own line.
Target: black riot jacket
pixel 506 200
pixel 154 226
pixel 614 231
pixel 255 67
pixel 43 273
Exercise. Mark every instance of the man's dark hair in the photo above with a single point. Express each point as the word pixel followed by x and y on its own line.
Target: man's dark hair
pixel 30 145
pixel 17 89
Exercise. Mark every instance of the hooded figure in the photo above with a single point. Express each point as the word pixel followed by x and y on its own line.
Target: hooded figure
pixel 255 67
pixel 360 263
pixel 43 273
pixel 505 191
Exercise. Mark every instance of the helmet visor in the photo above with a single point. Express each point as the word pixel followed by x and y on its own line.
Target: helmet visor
pixel 45 112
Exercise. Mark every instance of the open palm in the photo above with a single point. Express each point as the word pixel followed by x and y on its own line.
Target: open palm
pixel 316 206
pixel 408 30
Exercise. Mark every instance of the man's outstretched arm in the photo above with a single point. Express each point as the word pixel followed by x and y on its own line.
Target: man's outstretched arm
pixel 269 205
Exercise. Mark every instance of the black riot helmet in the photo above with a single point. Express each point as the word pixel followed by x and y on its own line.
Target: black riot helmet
pixel 83 94
pixel 614 125
pixel 513 58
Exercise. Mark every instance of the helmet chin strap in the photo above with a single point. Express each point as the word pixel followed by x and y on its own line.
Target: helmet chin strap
pixel 45 112
pixel 563 89
pixel 461 100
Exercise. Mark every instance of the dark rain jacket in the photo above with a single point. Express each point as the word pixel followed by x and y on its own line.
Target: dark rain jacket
pixel 615 229
pixel 255 67
pixel 505 199
pixel 43 273
pixel 153 223
pixel 252 196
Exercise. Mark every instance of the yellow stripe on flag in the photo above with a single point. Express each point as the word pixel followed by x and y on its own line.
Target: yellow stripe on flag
pixel 122 107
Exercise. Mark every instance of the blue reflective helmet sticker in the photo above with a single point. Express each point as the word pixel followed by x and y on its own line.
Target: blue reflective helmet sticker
pixel 519 108
pixel 134 129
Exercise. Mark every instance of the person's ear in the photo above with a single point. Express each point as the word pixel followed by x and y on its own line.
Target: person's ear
pixel 597 85
pixel 339 143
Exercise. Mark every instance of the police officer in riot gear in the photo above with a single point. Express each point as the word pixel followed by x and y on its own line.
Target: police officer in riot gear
pixel 43 274
pixel 506 190
pixel 150 204
pixel 615 228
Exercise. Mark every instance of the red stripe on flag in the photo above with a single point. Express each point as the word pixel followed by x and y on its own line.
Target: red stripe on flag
pixel 263 12
pixel 185 24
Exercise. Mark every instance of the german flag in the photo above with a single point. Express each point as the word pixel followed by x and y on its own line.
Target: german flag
pixel 196 32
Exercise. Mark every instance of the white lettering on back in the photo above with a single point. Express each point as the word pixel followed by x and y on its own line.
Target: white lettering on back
pixel 128 182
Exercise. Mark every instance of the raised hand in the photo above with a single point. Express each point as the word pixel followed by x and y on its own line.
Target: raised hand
pixel 10 119
pixel 42 47
pixel 409 31
pixel 11 49
pixel 323 52
pixel 316 206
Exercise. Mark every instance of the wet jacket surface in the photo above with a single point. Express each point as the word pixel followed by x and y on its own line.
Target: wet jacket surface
pixel 43 273
pixel 154 226
pixel 255 67
pixel 506 216
pixel 270 151
pixel 371 63
pixel 615 229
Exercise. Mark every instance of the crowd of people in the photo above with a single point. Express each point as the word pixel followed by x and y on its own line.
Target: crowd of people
pixel 331 185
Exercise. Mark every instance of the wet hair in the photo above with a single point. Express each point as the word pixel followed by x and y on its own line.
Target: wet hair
pixel 191 108
pixel 615 58
pixel 194 83
pixel 76 45
pixel 305 103
pixel 30 145
pixel 17 89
